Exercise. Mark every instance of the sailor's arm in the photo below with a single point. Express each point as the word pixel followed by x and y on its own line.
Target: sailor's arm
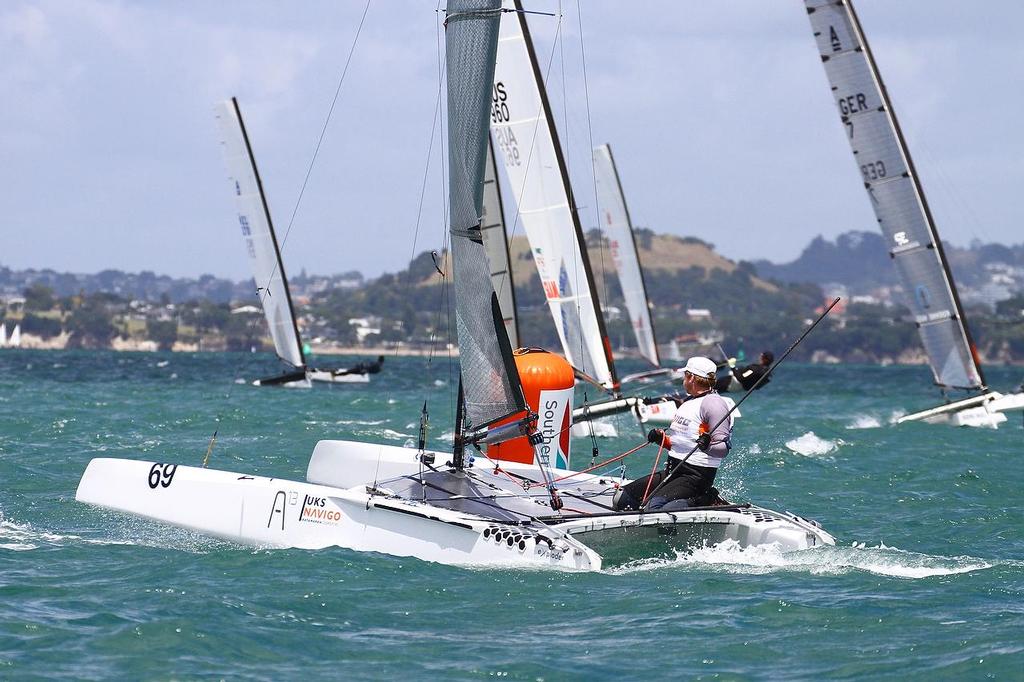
pixel 712 412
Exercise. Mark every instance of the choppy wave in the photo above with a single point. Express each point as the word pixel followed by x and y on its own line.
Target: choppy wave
pixel 864 421
pixel 811 444
pixel 880 560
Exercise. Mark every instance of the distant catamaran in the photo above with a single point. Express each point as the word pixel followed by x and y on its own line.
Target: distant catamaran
pixel 899 203
pixel 268 269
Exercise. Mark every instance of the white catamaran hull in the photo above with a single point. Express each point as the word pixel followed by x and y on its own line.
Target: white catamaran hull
pixel 663 412
pixel 331 510
pixel 595 429
pixel 268 512
pixel 337 377
pixel 986 410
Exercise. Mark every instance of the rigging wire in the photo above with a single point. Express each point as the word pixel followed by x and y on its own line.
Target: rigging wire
pixel 323 130
pixel 264 292
pixel 590 137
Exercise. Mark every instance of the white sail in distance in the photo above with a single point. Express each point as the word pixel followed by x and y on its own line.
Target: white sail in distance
pixel 618 228
pixel 895 192
pixel 258 235
pixel 496 244
pixel 524 134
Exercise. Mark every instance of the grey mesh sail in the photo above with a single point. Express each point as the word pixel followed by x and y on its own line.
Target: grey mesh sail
pixel 489 377
pixel 895 193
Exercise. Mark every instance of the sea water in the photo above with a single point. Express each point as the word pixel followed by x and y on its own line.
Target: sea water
pixel 926 580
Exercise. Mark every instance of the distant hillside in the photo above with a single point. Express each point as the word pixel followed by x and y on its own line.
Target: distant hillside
pixel 860 261
pixel 658 253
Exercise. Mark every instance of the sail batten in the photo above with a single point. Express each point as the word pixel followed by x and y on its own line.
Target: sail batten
pixel 525 137
pixel 618 228
pixel 490 381
pixel 895 192
pixel 258 235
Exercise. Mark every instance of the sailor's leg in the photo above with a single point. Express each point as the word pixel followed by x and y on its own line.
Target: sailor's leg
pixel 631 495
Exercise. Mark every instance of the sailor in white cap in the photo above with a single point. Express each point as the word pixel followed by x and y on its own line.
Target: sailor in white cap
pixel 690 486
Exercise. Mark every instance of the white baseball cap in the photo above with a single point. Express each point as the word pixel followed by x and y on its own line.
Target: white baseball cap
pixel 701 367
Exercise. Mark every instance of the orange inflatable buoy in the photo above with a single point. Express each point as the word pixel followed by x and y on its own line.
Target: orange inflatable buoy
pixel 548 383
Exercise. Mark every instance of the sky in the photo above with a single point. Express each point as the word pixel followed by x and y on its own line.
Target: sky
pixel 719 115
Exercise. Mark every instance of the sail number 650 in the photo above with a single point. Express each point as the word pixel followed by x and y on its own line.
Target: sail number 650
pixel 161 475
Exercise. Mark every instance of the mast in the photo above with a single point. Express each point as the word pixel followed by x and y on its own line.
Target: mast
pixel 261 241
pixel 619 228
pixel 897 196
pixel 521 112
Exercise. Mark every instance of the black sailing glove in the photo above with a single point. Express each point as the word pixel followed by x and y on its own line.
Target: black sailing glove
pixel 657 436
pixel 704 441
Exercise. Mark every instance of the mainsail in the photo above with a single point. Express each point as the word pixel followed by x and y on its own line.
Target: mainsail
pixel 895 192
pixel 496 243
pixel 524 132
pixel 489 378
pixel 622 243
pixel 258 235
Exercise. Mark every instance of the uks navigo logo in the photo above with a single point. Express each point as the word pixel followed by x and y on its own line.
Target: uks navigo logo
pixel 314 509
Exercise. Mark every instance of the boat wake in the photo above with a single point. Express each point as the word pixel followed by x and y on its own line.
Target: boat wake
pixel 25 537
pixel 811 445
pixel 881 560
pixel 22 537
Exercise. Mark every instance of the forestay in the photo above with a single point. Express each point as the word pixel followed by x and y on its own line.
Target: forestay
pixel 618 228
pixel 258 235
pixel 496 243
pixel 522 128
pixel 489 377
pixel 895 192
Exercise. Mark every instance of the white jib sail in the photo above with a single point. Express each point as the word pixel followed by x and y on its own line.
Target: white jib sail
pixel 258 235
pixel 896 196
pixel 526 142
pixel 621 242
pixel 492 226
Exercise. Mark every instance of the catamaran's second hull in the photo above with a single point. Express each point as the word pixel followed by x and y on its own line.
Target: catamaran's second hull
pixel 986 410
pixel 337 377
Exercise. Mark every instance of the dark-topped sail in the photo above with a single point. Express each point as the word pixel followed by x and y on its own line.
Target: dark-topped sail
pixel 258 235
pixel 895 191
pixel 489 377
